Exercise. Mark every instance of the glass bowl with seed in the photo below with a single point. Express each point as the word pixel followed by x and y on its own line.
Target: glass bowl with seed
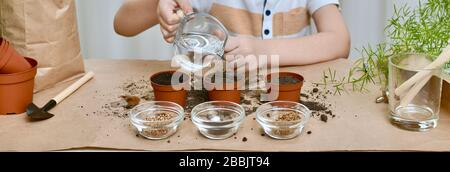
pixel 218 119
pixel 283 119
pixel 157 120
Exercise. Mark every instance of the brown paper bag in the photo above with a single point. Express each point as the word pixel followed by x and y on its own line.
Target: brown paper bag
pixel 45 30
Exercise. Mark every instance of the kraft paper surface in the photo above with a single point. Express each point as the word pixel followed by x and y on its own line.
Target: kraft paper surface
pixel 360 124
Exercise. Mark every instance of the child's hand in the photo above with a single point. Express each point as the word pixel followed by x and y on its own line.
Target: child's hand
pixel 237 46
pixel 168 18
pixel 236 51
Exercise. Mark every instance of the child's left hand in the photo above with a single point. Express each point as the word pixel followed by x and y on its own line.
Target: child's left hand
pixel 235 51
pixel 240 53
pixel 238 46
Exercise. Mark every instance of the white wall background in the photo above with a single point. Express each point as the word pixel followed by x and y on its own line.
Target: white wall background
pixel 366 20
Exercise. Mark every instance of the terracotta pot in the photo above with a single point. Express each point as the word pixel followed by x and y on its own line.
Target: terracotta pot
pixel 16 90
pixel 11 61
pixel 2 45
pixel 231 95
pixel 3 59
pixel 445 102
pixel 286 92
pixel 171 93
pixel 229 92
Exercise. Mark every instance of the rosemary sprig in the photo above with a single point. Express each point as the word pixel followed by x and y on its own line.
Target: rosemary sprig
pixel 423 30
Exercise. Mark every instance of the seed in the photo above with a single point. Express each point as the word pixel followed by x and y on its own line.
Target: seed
pixel 162 116
pixel 283 131
pixel 287 117
pixel 155 132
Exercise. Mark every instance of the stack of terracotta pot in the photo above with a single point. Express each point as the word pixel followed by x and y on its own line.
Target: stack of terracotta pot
pixel 16 79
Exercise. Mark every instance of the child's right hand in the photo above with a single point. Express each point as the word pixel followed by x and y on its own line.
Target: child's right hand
pixel 168 18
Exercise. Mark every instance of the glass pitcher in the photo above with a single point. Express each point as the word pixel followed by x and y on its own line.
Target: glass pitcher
pixel 199 41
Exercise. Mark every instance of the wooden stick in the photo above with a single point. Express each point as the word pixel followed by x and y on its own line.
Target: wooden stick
pixel 414 91
pixel 443 58
pixel 72 88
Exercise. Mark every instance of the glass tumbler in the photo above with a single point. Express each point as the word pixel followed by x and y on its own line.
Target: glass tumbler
pixel 199 41
pixel 417 108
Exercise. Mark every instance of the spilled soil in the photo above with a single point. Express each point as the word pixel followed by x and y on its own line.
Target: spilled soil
pixel 316 101
pixel 138 91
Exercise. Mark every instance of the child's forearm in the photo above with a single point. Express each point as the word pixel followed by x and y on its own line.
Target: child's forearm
pixel 331 42
pixel 136 16
pixel 306 50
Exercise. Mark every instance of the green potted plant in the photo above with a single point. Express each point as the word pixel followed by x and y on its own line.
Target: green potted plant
pixel 425 30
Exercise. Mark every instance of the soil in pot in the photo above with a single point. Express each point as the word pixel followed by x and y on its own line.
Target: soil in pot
pixel 165 78
pixel 16 90
pixel 164 90
pixel 288 86
pixel 229 91
pixel 289 80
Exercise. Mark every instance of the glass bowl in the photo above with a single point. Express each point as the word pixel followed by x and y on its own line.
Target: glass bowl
pixel 283 119
pixel 157 120
pixel 218 119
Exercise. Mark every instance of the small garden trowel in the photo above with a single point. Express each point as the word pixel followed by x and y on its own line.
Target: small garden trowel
pixel 36 113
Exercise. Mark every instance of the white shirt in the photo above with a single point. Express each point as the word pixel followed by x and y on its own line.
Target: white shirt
pixel 265 19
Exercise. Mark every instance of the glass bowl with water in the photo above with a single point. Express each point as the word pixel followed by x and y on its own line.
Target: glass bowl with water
pixel 157 120
pixel 200 40
pixel 218 119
